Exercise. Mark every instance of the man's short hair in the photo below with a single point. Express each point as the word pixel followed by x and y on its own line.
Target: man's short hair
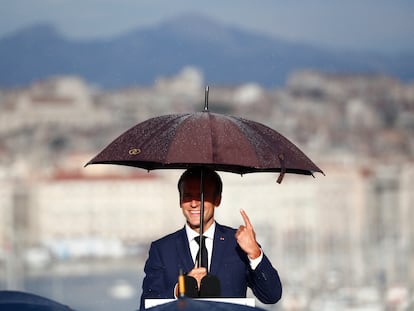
pixel 207 174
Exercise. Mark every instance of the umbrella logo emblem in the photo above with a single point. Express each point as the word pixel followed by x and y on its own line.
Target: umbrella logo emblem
pixel 134 151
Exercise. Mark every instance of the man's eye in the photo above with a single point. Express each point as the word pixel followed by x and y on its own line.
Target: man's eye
pixel 188 197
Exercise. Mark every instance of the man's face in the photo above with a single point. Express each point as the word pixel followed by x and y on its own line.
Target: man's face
pixel 190 202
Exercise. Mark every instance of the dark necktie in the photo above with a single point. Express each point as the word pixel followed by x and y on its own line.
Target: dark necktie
pixel 204 254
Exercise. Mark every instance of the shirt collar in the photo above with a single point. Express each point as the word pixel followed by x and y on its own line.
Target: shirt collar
pixel 191 234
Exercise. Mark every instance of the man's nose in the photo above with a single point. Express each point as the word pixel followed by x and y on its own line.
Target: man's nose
pixel 194 202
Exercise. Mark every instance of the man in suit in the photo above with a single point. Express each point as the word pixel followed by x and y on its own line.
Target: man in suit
pixel 234 256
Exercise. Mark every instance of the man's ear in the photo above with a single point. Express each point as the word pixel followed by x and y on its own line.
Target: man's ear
pixel 217 200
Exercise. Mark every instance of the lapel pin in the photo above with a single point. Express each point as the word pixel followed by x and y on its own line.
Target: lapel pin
pixel 221 238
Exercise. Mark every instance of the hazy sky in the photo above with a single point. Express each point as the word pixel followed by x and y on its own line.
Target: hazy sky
pixel 382 25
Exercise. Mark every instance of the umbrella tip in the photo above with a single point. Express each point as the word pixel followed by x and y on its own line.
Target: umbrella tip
pixel 206 99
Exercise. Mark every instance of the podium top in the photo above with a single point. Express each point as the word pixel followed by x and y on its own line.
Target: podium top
pixel 149 303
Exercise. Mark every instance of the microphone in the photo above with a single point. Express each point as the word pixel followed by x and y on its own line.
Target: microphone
pixel 210 287
pixel 191 288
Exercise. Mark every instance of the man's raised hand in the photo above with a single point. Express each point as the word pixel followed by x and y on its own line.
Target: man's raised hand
pixel 246 237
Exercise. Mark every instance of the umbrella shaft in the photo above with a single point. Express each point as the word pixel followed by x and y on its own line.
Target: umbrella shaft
pixel 201 214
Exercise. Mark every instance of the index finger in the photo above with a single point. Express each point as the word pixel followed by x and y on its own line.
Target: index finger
pixel 246 218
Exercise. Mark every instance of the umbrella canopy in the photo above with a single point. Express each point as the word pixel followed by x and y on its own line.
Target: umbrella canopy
pixel 22 301
pixel 223 143
pixel 202 305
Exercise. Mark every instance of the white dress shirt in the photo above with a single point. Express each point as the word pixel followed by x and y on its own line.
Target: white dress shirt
pixel 209 234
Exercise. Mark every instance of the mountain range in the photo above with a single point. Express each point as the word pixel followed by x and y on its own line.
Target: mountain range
pixel 225 55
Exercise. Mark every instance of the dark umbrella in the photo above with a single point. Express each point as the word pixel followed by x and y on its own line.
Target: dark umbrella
pixel 23 301
pixel 223 143
pixel 202 305
pixel 206 139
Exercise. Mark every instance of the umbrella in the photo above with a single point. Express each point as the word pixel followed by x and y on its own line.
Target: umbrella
pixel 202 305
pixel 221 142
pixel 206 139
pixel 22 301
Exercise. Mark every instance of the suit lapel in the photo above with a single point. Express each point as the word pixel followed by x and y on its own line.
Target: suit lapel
pixel 183 251
pixel 219 246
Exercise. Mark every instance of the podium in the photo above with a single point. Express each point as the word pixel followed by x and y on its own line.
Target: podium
pixel 149 303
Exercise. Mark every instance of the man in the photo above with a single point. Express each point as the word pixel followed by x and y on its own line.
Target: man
pixel 234 256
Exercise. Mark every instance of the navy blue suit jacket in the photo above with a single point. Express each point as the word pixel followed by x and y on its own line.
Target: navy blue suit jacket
pixel 229 263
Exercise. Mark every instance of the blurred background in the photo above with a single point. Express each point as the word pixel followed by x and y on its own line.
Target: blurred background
pixel 334 77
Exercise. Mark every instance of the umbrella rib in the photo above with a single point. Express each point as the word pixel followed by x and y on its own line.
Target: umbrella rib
pixel 265 131
pixel 247 129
